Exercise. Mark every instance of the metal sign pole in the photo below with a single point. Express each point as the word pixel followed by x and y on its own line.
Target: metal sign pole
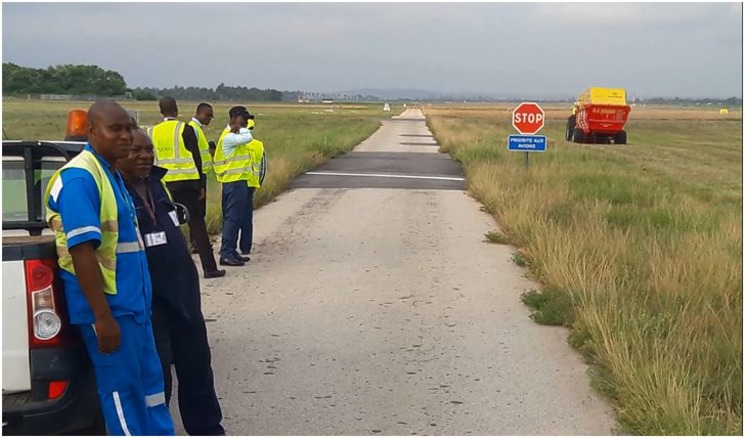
pixel 527 160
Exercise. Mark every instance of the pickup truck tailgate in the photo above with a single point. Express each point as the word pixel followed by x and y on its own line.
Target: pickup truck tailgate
pixel 16 367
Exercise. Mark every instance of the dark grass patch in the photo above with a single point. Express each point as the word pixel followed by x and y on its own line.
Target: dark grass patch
pixel 552 306
pixel 496 237
pixel 520 260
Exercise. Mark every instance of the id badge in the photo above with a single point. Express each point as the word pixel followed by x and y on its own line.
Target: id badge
pixel 174 218
pixel 155 239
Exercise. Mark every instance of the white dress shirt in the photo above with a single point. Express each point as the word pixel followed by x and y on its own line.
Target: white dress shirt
pixel 233 140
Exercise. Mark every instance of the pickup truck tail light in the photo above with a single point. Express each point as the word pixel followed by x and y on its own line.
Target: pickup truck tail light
pixel 46 316
pixel 56 388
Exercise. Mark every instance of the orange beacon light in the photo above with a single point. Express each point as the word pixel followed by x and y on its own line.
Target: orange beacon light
pixel 77 121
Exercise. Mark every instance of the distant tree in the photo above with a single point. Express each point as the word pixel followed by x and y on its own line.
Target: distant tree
pixel 139 94
pixel 62 79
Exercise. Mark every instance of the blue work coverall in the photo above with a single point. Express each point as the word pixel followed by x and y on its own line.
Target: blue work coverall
pixel 130 379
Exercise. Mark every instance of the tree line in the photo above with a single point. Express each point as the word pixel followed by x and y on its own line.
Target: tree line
pixel 221 92
pixel 62 79
pixel 92 80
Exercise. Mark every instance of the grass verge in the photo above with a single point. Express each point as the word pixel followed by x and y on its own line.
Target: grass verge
pixel 639 249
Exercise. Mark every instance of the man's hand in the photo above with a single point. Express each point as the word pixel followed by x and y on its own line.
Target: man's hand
pixel 108 334
pixel 202 193
pixel 89 277
pixel 235 127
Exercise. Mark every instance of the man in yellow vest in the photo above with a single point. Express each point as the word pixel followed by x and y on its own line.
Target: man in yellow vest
pixel 258 164
pixel 177 149
pixel 202 117
pixel 104 271
pixel 233 168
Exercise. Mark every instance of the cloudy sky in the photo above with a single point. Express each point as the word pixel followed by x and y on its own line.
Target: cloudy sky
pixel 524 49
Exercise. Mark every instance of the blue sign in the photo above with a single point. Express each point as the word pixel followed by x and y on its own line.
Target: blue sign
pixel 527 143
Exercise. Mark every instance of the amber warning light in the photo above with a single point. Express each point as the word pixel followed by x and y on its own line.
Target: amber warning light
pixel 77 120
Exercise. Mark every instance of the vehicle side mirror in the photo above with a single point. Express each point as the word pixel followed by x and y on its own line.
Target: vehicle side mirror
pixel 182 213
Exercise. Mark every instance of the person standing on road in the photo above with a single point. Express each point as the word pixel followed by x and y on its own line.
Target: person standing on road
pixel 104 271
pixel 233 167
pixel 258 165
pixel 177 149
pixel 178 324
pixel 203 116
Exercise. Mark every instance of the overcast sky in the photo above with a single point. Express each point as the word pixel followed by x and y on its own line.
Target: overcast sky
pixel 530 49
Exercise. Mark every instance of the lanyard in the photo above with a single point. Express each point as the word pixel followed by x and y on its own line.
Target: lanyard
pixel 149 206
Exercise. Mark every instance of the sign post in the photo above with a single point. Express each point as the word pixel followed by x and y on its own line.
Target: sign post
pixel 527 118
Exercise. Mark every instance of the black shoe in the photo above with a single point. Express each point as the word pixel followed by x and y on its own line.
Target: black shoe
pixel 230 262
pixel 245 259
pixel 217 273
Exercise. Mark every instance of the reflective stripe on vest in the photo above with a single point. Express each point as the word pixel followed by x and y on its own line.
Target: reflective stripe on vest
pixel 108 216
pixel 237 166
pixel 171 152
pixel 204 148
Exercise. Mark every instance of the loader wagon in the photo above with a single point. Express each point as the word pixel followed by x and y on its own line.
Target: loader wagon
pixel 599 116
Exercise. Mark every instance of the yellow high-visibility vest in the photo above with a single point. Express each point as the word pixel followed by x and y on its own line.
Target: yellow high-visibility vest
pixel 235 167
pixel 110 245
pixel 256 148
pixel 171 152
pixel 204 147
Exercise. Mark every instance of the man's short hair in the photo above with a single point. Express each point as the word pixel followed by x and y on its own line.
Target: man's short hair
pixel 203 107
pixel 167 104
pixel 237 111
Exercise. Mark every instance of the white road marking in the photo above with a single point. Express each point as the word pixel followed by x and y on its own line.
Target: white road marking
pixel 380 175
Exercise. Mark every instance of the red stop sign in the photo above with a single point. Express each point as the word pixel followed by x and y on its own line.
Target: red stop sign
pixel 528 118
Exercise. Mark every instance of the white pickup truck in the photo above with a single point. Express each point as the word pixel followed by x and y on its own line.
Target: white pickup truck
pixel 48 381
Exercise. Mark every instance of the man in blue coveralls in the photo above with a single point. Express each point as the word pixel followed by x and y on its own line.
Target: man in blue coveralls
pixel 105 274
pixel 178 324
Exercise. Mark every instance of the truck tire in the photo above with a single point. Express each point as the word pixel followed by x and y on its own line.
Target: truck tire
pixel 571 124
pixel 620 138
pixel 578 135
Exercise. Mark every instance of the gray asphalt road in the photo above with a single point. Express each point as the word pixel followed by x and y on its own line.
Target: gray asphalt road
pixel 373 306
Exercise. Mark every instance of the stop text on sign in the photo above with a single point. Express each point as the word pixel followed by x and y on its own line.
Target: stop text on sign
pixel 528 118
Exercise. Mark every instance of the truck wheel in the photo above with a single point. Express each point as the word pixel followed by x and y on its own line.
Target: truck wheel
pixel 578 135
pixel 620 138
pixel 571 124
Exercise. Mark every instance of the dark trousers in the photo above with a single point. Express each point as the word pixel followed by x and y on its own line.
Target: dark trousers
pixel 234 200
pixel 183 342
pixel 197 226
pixel 247 227
pixel 203 213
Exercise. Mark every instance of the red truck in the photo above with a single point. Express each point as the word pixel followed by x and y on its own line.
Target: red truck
pixel 599 116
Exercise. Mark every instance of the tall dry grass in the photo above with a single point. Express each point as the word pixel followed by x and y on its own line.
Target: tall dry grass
pixel 296 137
pixel 644 242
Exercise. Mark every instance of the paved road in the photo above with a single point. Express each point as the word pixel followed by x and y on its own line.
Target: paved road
pixel 372 306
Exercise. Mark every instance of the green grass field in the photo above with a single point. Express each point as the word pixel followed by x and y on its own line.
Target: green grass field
pixel 638 249
pixel 297 137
